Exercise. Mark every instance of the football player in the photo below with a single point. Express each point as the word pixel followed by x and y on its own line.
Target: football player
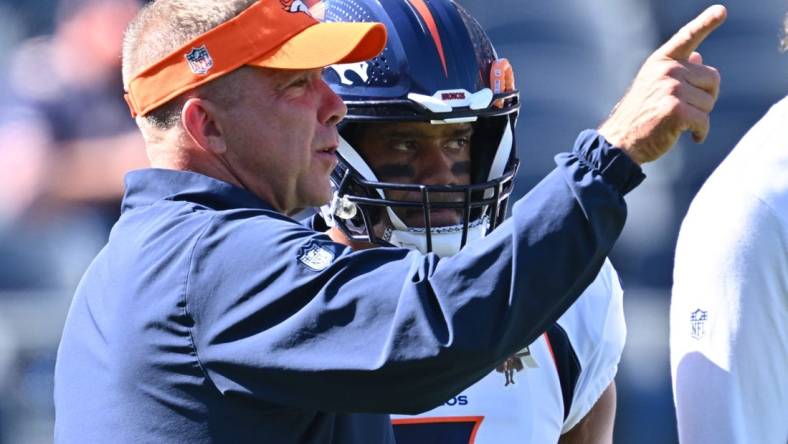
pixel 427 161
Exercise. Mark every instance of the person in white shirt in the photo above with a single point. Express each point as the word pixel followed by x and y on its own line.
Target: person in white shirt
pixel 729 311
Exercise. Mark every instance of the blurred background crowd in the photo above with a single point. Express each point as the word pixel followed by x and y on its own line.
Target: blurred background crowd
pixel 66 139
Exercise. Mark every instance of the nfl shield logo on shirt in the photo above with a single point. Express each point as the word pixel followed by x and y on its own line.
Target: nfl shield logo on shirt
pixel 315 257
pixel 698 323
pixel 199 60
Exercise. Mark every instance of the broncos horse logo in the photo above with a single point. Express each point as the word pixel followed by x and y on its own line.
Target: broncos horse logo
pixel 295 6
pixel 360 69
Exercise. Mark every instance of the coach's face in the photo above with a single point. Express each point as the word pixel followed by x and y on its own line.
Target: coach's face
pixel 281 137
pixel 419 153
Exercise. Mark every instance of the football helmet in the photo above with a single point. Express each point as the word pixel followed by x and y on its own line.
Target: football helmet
pixel 438 67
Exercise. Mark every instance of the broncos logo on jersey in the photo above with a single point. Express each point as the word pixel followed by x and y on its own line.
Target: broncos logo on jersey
pixel 515 364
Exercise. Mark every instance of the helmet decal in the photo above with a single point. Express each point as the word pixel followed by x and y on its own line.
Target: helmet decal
pixel 348 72
pixel 426 15
pixel 447 100
pixel 295 6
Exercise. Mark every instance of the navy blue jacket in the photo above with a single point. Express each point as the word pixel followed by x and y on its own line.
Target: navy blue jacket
pixel 209 317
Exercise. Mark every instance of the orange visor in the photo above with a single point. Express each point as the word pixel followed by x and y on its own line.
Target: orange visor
pixel 277 34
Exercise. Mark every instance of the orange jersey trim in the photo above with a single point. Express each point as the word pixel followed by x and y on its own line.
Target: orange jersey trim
pixel 550 349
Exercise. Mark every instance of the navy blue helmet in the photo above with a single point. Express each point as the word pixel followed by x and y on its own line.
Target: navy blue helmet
pixel 438 67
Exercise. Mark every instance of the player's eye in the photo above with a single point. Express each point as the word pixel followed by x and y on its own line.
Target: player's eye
pixel 458 144
pixel 405 146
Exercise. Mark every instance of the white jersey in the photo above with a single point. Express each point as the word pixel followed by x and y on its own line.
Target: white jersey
pixel 542 391
pixel 729 312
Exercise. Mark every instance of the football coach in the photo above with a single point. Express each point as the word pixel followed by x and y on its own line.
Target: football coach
pixel 212 316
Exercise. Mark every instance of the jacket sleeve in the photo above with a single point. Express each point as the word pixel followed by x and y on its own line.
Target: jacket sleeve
pixel 284 317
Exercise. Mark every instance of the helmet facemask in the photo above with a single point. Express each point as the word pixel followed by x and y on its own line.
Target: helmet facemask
pixel 439 218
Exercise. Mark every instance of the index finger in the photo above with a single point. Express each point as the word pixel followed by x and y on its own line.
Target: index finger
pixel 690 36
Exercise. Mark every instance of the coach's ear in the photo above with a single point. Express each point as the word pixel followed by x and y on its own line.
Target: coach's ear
pixel 198 117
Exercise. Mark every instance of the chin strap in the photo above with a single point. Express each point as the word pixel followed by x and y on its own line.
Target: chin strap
pixel 445 240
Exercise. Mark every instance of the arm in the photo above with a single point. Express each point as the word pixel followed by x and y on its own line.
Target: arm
pixel 415 330
pixel 597 426
pixel 596 330
pixel 385 330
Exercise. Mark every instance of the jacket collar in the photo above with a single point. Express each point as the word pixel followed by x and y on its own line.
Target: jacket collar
pixel 147 186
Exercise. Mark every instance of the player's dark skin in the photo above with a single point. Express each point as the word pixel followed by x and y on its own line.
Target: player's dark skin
pixel 423 153
pixel 419 153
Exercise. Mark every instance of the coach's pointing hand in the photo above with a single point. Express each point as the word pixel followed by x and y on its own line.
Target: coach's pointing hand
pixel 673 92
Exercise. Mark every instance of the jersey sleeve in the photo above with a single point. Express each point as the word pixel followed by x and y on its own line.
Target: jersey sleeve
pixel 729 354
pixel 596 330
pixel 301 321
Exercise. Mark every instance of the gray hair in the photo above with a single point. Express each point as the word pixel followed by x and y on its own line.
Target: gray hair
pixel 162 27
pixel 784 39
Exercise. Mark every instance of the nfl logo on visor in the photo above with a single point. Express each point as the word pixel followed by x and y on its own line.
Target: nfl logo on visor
pixel 199 60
